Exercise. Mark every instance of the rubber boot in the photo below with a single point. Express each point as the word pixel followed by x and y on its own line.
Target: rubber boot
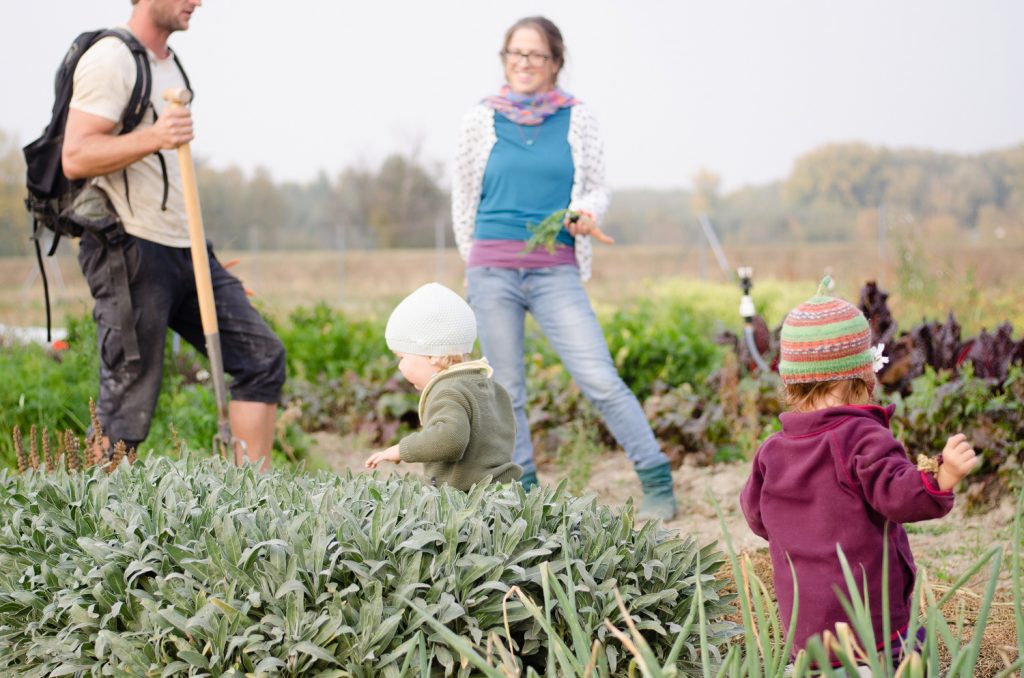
pixel 659 500
pixel 528 480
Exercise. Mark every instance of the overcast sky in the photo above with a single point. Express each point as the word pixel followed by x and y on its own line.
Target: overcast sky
pixel 740 87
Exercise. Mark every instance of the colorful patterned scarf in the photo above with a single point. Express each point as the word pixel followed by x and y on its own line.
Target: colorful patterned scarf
pixel 529 109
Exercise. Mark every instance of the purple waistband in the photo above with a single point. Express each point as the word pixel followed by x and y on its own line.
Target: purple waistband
pixel 509 254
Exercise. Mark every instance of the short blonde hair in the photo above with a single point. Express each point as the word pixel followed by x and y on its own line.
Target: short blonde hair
pixel 807 396
pixel 445 361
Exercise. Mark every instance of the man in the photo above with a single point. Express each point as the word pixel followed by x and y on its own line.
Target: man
pixel 139 174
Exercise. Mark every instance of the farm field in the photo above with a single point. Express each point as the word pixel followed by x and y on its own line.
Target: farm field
pixel 978 283
pixel 944 549
pixel 939 277
pixel 777 160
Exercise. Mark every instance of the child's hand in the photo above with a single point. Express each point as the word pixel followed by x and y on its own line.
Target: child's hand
pixel 390 454
pixel 958 459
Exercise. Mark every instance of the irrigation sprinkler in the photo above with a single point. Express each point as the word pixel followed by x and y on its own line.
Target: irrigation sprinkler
pixel 748 311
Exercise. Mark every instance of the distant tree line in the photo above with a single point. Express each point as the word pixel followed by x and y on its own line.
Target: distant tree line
pixel 843 192
pixel 837 192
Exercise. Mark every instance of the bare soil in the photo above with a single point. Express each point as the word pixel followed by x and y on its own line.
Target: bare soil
pixel 943 549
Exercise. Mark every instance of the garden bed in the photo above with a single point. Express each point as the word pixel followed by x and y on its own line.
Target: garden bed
pixel 943 548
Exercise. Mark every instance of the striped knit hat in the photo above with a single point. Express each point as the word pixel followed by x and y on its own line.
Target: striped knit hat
pixel 826 339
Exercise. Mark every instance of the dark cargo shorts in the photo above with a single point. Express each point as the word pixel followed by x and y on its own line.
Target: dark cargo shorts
pixel 163 294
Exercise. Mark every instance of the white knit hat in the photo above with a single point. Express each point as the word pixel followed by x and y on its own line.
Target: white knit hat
pixel 433 321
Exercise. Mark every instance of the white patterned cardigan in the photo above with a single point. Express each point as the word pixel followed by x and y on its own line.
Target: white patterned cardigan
pixel 477 138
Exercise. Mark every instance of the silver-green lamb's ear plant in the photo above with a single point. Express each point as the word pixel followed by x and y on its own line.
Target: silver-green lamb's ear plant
pixel 197 566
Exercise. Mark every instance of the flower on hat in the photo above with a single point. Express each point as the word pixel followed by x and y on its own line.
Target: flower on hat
pixel 878 361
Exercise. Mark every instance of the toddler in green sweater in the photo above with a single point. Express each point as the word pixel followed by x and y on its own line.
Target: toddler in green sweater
pixel 468 427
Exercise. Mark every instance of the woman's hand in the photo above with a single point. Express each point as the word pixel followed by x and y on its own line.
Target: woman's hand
pixel 390 454
pixel 584 223
pixel 958 458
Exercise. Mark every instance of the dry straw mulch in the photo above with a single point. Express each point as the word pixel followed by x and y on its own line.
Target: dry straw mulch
pixel 999 642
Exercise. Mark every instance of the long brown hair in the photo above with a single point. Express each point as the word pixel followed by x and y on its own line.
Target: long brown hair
pixel 548 30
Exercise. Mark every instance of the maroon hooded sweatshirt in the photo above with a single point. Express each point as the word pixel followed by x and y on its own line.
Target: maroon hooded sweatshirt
pixel 838 476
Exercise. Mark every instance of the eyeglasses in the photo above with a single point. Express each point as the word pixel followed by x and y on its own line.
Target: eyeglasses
pixel 532 58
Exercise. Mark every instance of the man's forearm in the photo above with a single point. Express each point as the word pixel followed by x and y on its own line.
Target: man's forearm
pixel 99 154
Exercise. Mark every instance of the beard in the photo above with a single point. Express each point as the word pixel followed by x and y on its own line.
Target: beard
pixel 166 16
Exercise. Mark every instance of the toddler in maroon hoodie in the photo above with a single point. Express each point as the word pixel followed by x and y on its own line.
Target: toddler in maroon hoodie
pixel 835 475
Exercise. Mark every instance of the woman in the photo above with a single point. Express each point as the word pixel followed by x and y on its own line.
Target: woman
pixel 524 154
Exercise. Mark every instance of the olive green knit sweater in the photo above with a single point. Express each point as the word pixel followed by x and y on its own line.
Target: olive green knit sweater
pixel 468 431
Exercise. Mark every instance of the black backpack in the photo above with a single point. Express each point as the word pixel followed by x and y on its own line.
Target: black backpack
pixel 50 193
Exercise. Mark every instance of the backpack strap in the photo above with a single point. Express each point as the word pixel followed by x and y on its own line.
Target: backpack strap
pixel 138 102
pixel 114 239
pixel 159 155
pixel 127 191
pixel 53 246
pixel 181 69
pixel 42 272
pixel 123 298
pixel 167 183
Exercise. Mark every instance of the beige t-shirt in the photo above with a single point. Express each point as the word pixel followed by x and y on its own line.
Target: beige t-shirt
pixel 104 79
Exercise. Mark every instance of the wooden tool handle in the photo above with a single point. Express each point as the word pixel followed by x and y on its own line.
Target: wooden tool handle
pixel 196 232
pixel 179 96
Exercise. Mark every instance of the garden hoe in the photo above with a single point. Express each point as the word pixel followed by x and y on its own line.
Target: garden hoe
pixel 223 442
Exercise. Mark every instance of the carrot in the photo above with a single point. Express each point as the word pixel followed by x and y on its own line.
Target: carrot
pixel 546 232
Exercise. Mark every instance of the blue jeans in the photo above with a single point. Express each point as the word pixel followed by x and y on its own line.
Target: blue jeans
pixel 500 298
